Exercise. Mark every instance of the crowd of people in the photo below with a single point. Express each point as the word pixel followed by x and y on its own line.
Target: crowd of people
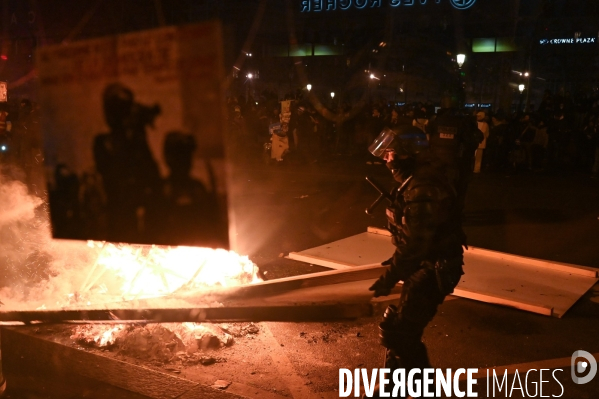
pixel 561 134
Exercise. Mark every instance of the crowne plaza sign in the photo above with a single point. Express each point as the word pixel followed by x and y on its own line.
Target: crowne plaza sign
pixel 570 40
pixel 333 5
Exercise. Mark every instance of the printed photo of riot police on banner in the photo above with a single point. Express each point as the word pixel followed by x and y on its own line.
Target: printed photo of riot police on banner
pixel 133 137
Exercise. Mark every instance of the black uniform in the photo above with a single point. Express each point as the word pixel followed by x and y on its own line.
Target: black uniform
pixel 424 220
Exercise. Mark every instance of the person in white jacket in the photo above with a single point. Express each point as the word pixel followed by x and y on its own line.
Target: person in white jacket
pixel 483 126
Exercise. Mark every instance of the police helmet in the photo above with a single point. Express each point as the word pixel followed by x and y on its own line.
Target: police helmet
pixel 404 140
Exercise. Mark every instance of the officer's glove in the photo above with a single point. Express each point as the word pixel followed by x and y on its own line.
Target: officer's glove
pixel 381 287
pixel 384 285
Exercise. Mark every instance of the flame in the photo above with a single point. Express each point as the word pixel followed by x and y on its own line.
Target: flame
pixel 100 336
pixel 137 271
pixel 108 337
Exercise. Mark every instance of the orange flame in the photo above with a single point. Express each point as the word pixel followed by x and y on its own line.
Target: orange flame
pixel 136 271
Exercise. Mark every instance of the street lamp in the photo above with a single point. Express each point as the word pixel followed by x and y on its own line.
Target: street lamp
pixel 249 76
pixel 308 87
pixel 332 94
pixel 460 59
pixel 527 81
pixel 521 88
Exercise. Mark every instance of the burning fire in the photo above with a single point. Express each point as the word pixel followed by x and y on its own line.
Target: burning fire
pixel 137 271
pixel 39 272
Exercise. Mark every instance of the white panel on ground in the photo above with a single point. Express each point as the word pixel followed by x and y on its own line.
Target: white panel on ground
pixel 359 250
pixel 534 285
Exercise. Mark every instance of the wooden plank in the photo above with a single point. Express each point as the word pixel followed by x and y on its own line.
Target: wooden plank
pixel 360 249
pixel 505 301
pixel 551 265
pixel 301 312
pixel 317 260
pixel 523 283
pixel 351 292
pixel 272 287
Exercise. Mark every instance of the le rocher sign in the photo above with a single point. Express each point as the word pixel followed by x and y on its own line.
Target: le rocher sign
pixel 332 5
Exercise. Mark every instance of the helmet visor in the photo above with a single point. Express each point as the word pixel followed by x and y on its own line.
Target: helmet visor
pixel 380 145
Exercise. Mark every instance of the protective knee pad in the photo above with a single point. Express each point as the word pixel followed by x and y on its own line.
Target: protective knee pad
pixel 397 333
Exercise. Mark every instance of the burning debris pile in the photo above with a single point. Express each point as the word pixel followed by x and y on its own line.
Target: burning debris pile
pixel 142 271
pixel 168 343
pixel 38 272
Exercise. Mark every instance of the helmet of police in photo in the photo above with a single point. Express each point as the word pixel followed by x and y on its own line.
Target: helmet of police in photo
pixel 404 140
pixel 118 102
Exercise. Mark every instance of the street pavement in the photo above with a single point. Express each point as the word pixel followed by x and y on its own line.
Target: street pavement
pixel 553 217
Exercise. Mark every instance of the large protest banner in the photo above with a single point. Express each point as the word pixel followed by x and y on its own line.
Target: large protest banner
pixel 133 131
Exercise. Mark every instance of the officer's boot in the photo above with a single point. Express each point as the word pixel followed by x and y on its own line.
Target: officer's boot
pixel 388 335
pixel 391 362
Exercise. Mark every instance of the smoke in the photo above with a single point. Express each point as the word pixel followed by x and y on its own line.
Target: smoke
pixel 35 270
pixel 24 232
pixel 16 204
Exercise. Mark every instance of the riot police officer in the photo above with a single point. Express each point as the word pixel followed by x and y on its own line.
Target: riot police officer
pixel 425 222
